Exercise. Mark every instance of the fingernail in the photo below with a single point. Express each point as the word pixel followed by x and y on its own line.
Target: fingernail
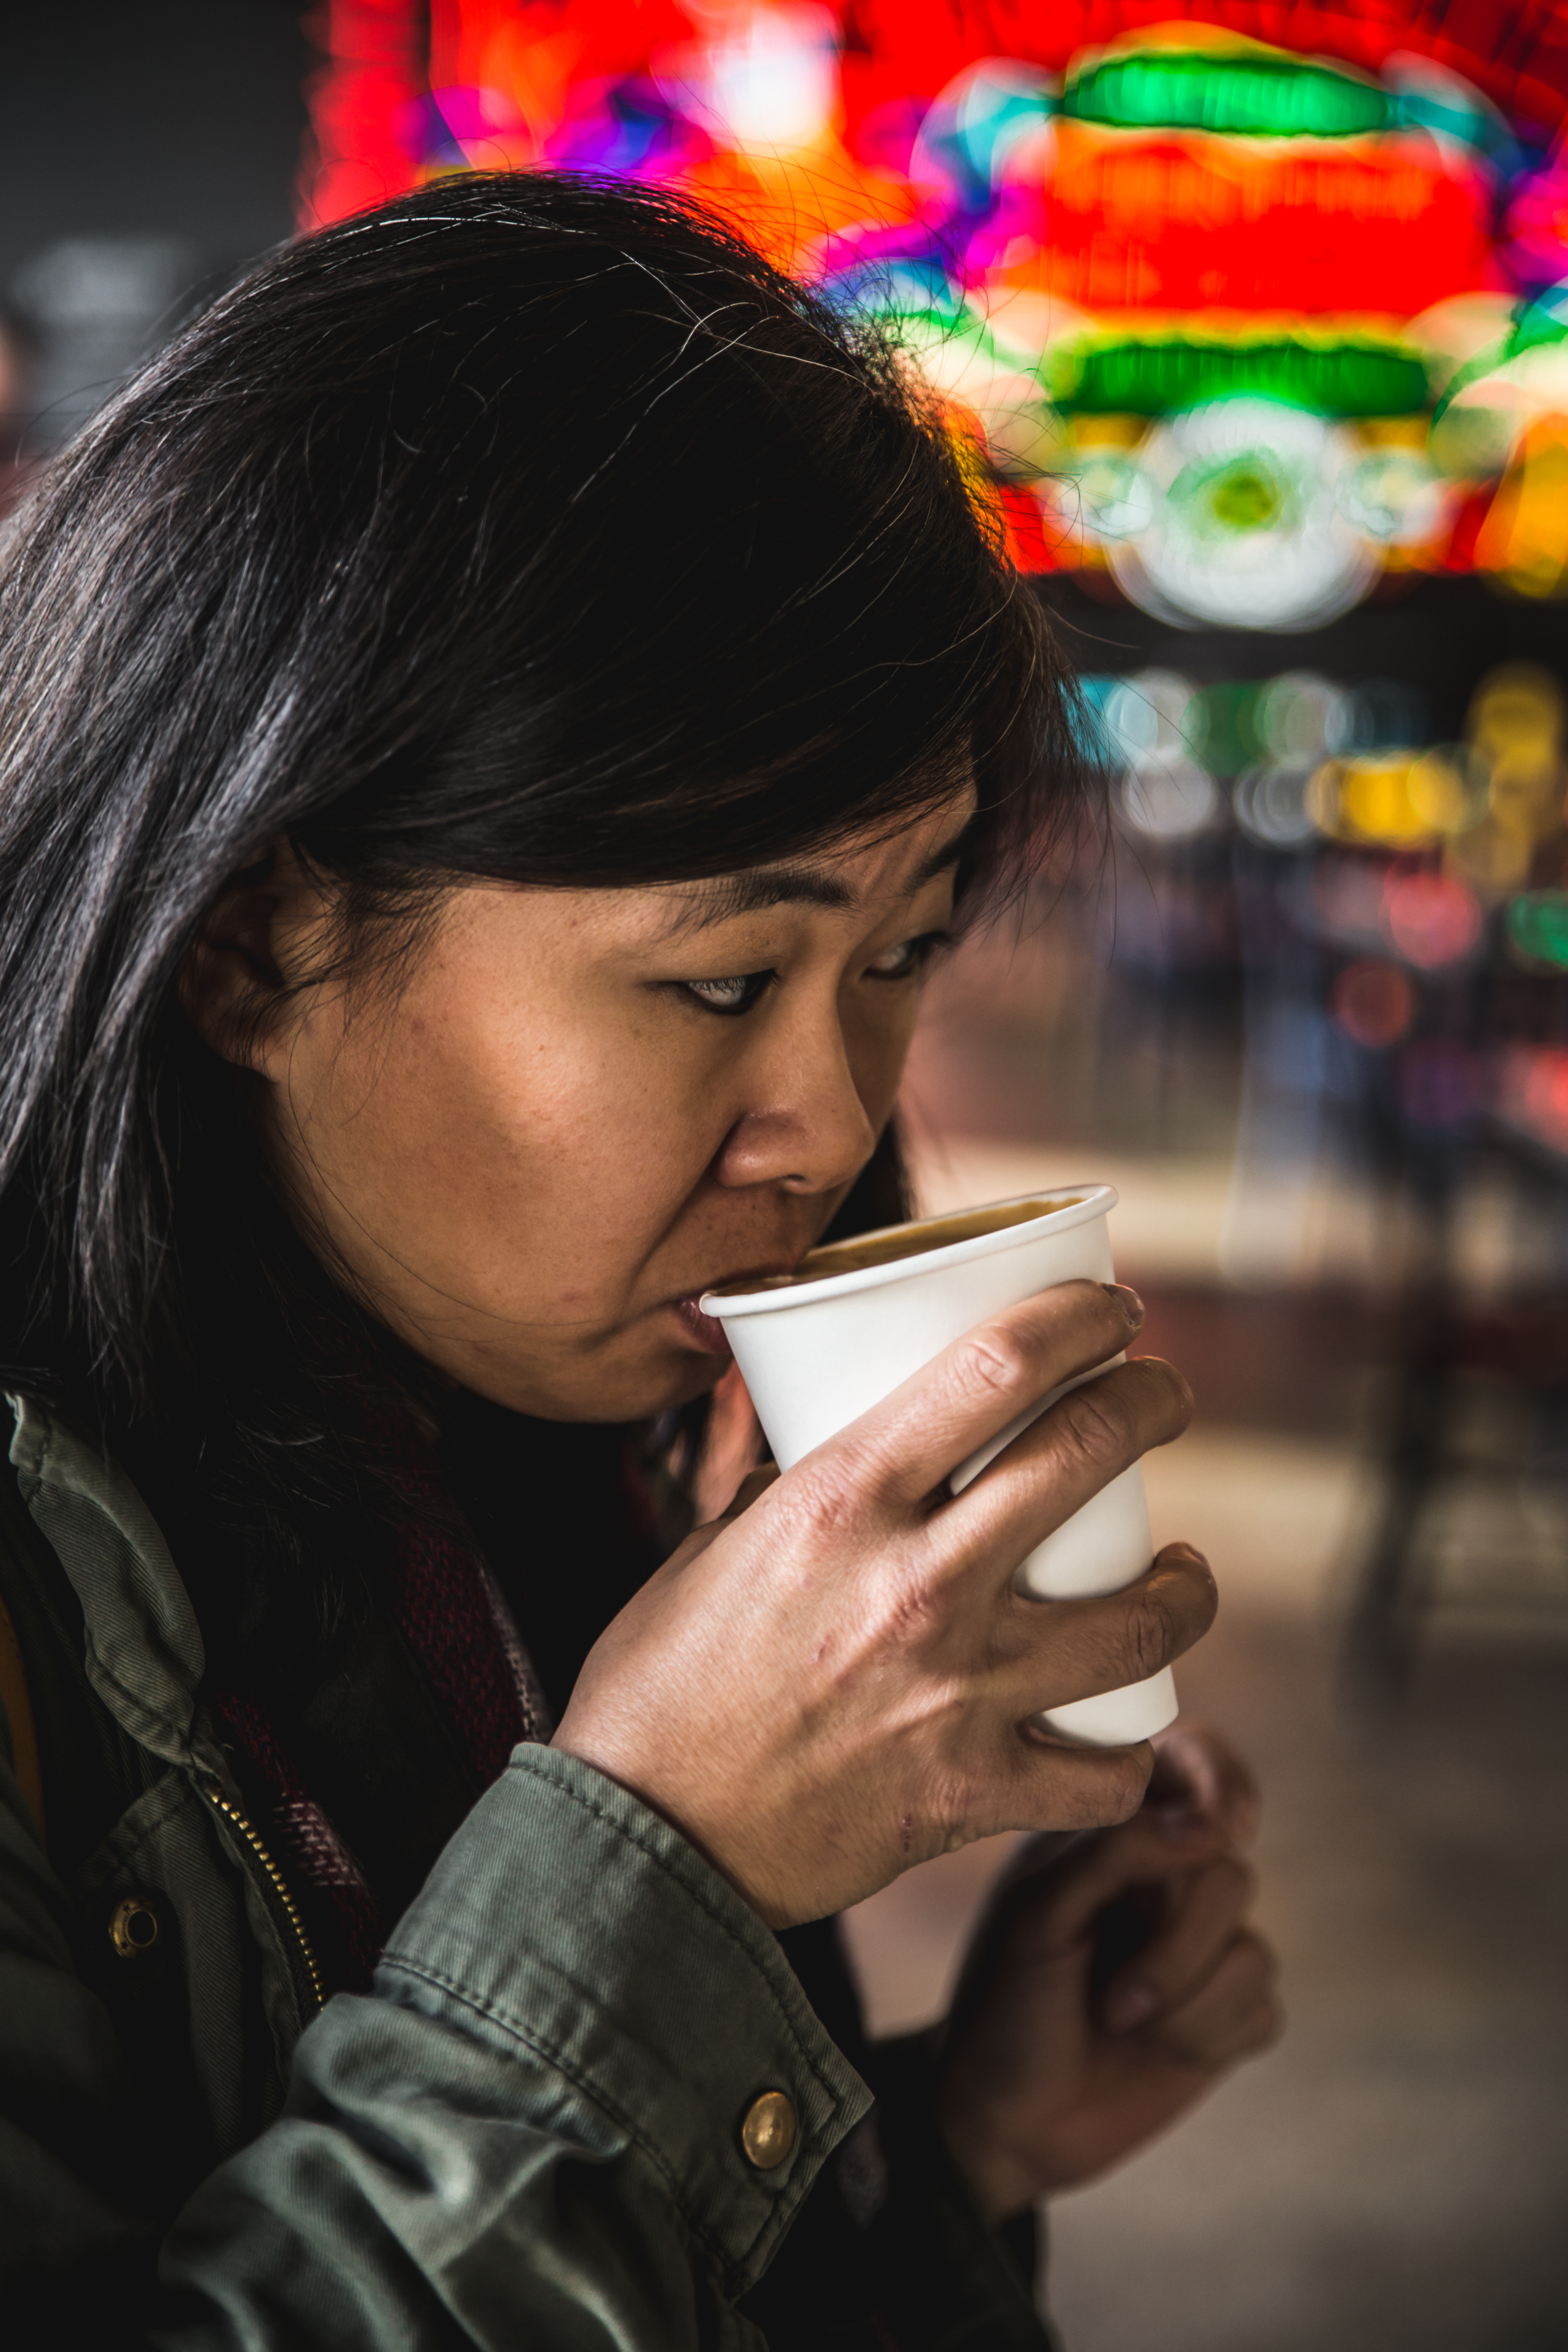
pixel 1127 1299
pixel 1128 2006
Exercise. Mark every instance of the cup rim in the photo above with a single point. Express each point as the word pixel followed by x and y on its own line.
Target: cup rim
pixel 1094 1200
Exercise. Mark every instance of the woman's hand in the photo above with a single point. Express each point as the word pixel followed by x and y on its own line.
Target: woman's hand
pixel 836 1680
pixel 1108 1991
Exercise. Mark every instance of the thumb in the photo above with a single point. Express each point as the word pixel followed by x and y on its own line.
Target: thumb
pixel 1059 1910
pixel 1198 1773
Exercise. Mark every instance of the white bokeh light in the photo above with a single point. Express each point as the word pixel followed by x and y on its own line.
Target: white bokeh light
pixel 1248 532
pixel 766 81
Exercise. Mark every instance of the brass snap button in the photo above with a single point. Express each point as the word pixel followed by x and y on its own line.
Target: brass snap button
pixel 767 2134
pixel 133 1930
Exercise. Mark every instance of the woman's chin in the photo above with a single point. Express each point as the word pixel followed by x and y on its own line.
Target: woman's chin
pixel 654 1381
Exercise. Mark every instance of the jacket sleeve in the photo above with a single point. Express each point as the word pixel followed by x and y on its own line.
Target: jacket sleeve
pixel 530 2134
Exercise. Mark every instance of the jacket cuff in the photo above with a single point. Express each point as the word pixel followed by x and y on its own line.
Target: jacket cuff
pixel 567 1920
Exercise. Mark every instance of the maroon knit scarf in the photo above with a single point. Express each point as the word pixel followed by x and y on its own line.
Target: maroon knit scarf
pixel 455 1624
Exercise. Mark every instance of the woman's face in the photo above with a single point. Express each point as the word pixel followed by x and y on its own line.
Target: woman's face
pixel 587 1107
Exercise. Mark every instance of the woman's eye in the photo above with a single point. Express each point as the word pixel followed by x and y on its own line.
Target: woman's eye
pixel 909 957
pixel 737 995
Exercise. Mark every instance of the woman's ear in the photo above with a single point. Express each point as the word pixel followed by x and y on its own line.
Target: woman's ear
pixel 234 983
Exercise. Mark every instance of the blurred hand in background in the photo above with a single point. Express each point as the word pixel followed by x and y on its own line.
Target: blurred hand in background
pixel 1111 1982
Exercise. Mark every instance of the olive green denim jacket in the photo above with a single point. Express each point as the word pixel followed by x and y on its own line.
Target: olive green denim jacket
pixel 528 2134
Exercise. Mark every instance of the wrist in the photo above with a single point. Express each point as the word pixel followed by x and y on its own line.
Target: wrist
pixel 609 1757
pixel 914 2084
pixel 1001 2185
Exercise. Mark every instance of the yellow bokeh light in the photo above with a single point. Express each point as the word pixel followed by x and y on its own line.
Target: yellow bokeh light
pixel 1523 540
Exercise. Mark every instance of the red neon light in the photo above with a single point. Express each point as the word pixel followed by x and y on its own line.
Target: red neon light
pixel 481 42
pixel 1029 549
pixel 381 54
pixel 375 68
pixel 1174 222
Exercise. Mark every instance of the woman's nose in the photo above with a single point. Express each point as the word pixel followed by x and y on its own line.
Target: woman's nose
pixel 806 1128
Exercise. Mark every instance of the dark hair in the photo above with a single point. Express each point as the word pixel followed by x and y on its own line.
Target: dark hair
pixel 529 527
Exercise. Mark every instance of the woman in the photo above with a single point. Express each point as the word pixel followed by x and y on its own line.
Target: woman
pixel 494 722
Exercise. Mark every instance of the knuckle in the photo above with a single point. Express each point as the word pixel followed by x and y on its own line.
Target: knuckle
pixel 1151 1633
pixel 826 1501
pixel 910 1613
pixel 1095 1422
pixel 990 1362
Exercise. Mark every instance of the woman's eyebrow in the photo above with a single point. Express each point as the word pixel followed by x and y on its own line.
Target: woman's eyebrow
pixel 752 893
pixel 749 894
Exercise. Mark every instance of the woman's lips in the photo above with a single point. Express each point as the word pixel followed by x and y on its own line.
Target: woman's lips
pixel 705 1330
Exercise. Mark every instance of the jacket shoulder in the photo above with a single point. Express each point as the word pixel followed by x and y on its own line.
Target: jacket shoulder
pixel 90 1771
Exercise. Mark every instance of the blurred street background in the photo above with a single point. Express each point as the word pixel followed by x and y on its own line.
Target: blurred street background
pixel 1371 1312
pixel 1260 318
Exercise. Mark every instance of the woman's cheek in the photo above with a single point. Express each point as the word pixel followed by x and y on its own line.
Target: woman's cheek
pixel 878 1040
pixel 629 1121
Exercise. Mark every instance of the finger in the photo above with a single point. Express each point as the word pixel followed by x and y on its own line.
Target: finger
pixel 1199 1775
pixel 1049 1787
pixel 1055 1466
pixel 905 1448
pixel 1236 2013
pixel 1205 1908
pixel 1075 1649
pixel 1053 1898
pixel 1033 1869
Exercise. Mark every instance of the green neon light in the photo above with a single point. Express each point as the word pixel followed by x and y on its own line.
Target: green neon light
pixel 1148 377
pixel 1259 96
pixel 1538 926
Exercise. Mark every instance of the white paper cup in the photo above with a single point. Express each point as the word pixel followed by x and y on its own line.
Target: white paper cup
pixel 816 1352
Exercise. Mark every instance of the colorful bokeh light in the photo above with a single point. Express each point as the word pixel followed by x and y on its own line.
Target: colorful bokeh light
pixel 1431 920
pixel 1538 928
pixel 1095 227
pixel 1374 1003
pixel 1533 1093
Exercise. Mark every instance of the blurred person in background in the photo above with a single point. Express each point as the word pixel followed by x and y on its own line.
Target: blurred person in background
pixel 494 723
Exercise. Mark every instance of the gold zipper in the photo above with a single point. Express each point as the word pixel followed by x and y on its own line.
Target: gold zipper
pixel 252 1836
